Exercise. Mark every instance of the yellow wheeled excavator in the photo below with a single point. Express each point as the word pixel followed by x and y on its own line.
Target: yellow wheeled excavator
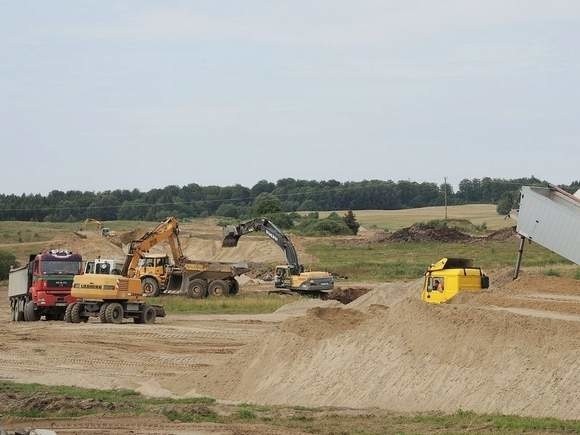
pixel 114 297
pixel 291 276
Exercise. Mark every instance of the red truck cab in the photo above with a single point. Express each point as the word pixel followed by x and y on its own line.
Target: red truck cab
pixel 43 286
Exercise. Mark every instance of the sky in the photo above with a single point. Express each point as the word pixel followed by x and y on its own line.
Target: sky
pixel 99 95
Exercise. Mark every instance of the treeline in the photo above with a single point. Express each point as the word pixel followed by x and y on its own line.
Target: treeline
pixel 236 201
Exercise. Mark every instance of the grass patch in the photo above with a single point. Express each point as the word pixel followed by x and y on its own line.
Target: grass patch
pixel 240 304
pixel 552 272
pixel 314 420
pixel 394 261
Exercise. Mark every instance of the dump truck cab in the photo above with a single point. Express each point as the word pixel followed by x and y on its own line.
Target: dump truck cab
pixel 153 271
pixel 450 276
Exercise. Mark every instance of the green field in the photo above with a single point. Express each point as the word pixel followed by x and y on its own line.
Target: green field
pixel 391 220
pixel 23 403
pixel 242 304
pixel 394 261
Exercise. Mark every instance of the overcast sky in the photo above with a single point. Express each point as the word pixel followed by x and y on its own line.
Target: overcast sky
pixel 103 94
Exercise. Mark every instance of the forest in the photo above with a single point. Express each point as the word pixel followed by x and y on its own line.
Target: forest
pixel 285 195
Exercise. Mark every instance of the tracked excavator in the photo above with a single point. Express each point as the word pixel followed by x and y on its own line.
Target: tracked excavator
pixel 292 276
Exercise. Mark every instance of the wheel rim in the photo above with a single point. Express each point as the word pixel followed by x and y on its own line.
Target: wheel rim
pixel 116 313
pixel 148 288
pixel 195 289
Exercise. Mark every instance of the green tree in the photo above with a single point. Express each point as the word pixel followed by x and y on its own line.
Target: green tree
pixel 228 210
pixel 351 222
pixel 507 202
pixel 266 204
pixel 6 260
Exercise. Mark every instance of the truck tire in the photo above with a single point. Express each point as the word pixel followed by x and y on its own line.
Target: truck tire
pixel 234 286
pixel 75 312
pixel 20 310
pixel 219 288
pixel 150 287
pixel 13 311
pixel 197 289
pixel 114 313
pixel 103 313
pixel 147 316
pixel 67 313
pixel 30 314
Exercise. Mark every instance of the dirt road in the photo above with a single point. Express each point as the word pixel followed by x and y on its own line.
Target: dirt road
pixel 140 357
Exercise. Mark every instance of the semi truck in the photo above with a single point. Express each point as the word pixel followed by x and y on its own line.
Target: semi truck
pixel 43 286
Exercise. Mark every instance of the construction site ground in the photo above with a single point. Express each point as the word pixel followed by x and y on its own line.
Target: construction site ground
pixel 514 349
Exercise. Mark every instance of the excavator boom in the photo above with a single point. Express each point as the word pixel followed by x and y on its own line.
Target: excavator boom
pixel 166 230
pixel 233 234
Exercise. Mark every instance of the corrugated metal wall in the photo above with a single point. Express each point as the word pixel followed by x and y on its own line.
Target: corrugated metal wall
pixel 552 220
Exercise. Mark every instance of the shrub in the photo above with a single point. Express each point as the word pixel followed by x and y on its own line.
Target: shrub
pixel 6 260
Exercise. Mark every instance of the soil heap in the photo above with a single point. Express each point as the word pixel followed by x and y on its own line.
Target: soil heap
pixel 392 351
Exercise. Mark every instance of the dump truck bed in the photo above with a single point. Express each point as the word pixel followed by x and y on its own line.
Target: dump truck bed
pixel 214 269
pixel 18 282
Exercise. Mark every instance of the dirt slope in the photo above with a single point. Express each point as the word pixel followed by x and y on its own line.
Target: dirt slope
pixel 397 353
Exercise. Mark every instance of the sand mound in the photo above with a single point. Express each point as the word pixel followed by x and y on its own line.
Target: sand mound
pixel 411 357
pixel 301 306
pixel 388 294
pixel 428 233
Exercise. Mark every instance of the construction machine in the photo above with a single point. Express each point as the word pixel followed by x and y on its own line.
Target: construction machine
pixel 196 279
pixel 450 276
pixel 104 231
pixel 103 266
pixel 114 297
pixel 290 276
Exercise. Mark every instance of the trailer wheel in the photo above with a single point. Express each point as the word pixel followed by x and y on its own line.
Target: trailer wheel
pixel 150 287
pixel 197 289
pixel 20 310
pixel 114 313
pixel 75 313
pixel 30 314
pixel 148 315
pixel 234 286
pixel 103 313
pixel 67 313
pixel 219 288
pixel 13 311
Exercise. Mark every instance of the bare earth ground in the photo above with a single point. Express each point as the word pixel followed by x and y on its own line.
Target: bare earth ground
pixel 514 350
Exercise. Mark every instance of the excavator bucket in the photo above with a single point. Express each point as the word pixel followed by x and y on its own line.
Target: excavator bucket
pixel 231 237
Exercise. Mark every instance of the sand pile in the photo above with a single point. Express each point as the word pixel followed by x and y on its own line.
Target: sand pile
pixel 410 356
pixel 428 233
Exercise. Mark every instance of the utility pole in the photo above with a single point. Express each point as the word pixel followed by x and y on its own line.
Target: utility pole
pixel 445 194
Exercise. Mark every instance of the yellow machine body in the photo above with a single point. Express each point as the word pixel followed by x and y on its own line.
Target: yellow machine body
pixel 303 282
pixel 91 286
pixel 450 276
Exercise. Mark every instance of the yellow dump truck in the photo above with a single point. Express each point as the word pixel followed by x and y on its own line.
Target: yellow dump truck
pixel 450 276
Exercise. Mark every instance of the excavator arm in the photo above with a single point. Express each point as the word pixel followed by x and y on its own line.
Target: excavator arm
pixel 233 234
pixel 167 230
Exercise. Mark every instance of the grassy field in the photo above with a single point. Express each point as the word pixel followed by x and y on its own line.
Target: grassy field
pixel 26 402
pixel 393 261
pixel 242 304
pixel 396 219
